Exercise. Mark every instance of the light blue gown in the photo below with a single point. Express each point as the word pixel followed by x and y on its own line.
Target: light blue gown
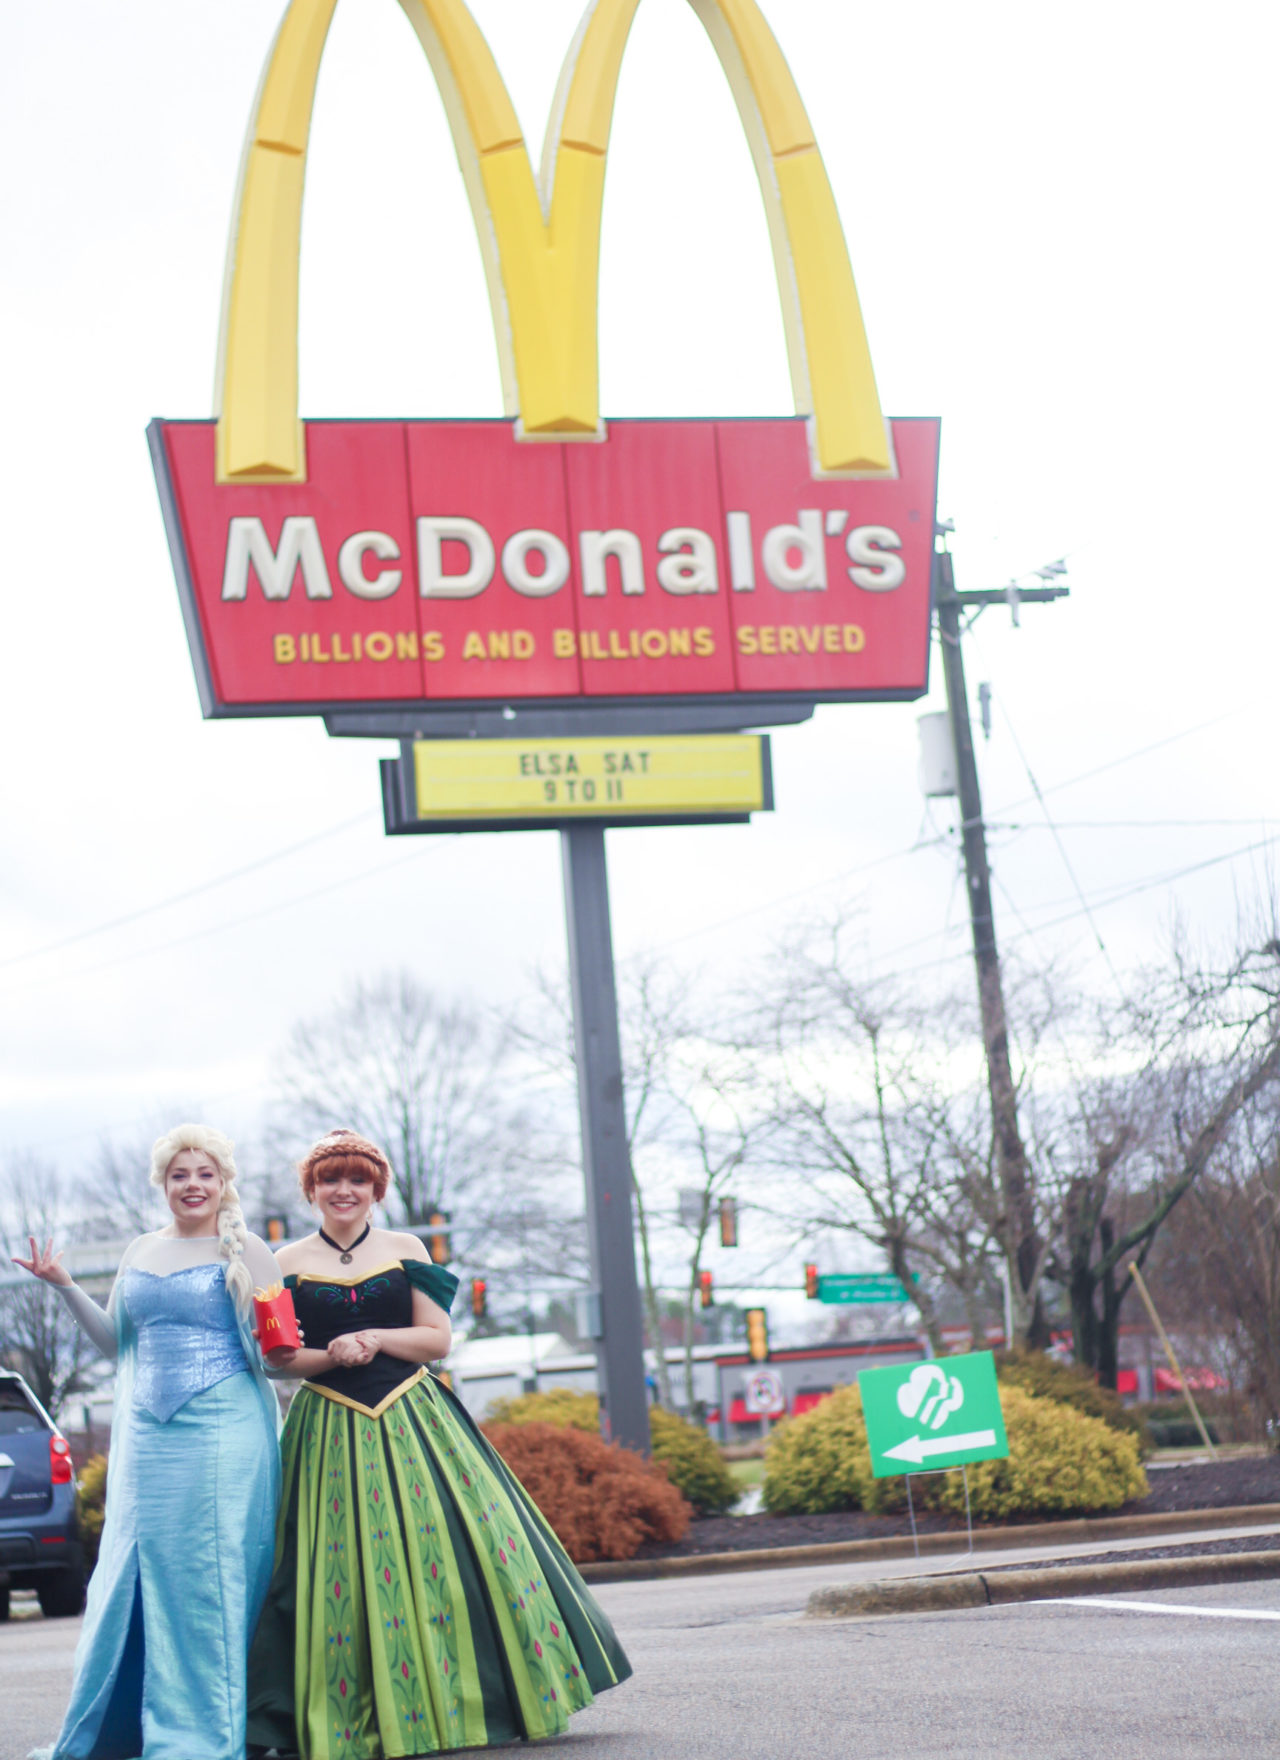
pixel 187 1543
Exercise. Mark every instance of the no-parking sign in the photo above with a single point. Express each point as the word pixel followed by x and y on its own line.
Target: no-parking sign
pixel 764 1394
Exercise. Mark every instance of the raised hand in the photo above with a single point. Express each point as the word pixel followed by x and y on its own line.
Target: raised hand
pixel 44 1263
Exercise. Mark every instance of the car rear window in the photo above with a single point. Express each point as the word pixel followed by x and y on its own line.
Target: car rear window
pixel 17 1414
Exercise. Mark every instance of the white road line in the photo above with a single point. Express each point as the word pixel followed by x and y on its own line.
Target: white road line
pixel 1159 1607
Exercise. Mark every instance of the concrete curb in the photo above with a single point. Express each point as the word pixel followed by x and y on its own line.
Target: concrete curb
pixel 998 1588
pixel 1069 1533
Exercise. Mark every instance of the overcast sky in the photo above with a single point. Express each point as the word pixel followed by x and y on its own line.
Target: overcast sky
pixel 1060 220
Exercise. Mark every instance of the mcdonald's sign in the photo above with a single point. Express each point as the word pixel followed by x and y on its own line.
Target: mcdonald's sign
pixel 550 556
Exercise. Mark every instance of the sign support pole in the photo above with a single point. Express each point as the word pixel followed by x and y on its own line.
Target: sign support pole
pixel 606 1161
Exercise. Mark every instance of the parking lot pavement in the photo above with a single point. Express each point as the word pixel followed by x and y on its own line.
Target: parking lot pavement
pixel 727 1668
pixel 35 1677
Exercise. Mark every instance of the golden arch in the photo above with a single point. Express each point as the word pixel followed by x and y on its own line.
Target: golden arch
pixel 540 238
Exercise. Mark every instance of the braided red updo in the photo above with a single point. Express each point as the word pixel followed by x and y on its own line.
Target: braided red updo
pixel 344 1152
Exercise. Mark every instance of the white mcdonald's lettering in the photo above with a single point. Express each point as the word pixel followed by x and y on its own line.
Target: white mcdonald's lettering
pixel 249 547
pixel 872 570
pixel 433 582
pixel 596 547
pixel 555 563
pixel 809 573
pixel 351 565
pixel 794 558
pixel 539 236
pixel 688 561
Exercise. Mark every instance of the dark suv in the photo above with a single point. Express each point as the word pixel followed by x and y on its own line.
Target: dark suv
pixel 39 1544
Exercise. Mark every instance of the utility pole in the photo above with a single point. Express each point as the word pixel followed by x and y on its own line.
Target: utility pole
pixel 1021 1242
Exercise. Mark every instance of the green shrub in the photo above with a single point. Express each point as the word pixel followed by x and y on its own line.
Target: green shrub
pixel 603 1501
pixel 1178 1433
pixel 1046 1378
pixel 694 1464
pixel 820 1460
pixel 1061 1461
pixel 91 1506
pixel 558 1405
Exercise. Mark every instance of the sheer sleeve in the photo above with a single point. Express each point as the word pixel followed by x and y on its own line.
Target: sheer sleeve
pixel 90 1318
pixel 261 1262
pixel 97 1325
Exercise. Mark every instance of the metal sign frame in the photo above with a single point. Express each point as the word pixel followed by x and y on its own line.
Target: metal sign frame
pixel 400 806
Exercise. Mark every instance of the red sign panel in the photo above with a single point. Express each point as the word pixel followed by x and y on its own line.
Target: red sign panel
pixel 447 562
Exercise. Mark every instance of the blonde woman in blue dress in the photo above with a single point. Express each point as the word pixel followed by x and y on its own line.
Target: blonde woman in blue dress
pixel 193 1476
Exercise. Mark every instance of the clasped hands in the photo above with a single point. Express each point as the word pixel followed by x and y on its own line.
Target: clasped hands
pixel 347 1351
pixel 353 1348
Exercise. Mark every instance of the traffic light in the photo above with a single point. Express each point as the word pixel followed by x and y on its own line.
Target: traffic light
pixel 728 1222
pixel 811 1282
pixel 757 1335
pixel 438 1246
pixel 706 1289
pixel 479 1297
pixel 277 1230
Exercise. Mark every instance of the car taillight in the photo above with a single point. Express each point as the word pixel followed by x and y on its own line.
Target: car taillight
pixel 60 1471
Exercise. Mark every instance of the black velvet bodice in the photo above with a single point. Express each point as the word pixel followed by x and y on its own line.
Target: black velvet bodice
pixel 326 1310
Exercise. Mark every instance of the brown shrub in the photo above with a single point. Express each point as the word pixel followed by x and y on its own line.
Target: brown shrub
pixel 602 1500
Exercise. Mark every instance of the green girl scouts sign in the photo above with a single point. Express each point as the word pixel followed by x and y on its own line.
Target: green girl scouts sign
pixel 941 1413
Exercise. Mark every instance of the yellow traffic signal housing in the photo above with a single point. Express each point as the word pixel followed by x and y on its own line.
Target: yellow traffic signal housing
pixel 438 1244
pixel 479 1297
pixel 811 1282
pixel 757 1335
pixel 728 1222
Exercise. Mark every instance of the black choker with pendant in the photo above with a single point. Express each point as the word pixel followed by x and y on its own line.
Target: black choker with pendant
pixel 344 1253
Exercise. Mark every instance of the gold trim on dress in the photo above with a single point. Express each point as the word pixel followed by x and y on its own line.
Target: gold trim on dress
pixel 342 1399
pixel 325 1277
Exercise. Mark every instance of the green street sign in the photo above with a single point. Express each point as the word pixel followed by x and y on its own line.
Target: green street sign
pixel 940 1413
pixel 861 1286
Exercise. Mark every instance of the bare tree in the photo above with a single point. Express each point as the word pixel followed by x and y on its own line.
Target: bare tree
pixel 692 1124
pixel 38 1337
pixel 1202 1046
pixel 867 1138
pixel 437 1086
pixel 125 1202
pixel 1215 1271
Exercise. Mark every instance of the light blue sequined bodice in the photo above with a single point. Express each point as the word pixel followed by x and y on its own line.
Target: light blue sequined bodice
pixel 187 1335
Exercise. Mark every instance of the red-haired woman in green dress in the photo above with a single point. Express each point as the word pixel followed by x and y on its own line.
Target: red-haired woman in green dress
pixel 419 1600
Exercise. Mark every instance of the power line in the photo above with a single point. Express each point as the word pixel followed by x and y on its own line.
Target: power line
pixel 1062 851
pixel 176 898
pixel 914 848
pixel 1104 902
pixel 1133 824
pixel 217 928
pixel 722 923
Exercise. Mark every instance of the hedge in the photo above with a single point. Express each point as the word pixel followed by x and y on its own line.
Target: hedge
pixel 91 1506
pixel 1061 1461
pixel 1046 1378
pixel 558 1405
pixel 603 1501
pixel 694 1464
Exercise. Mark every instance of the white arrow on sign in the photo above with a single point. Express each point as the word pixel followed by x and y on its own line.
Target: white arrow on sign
pixel 918 1448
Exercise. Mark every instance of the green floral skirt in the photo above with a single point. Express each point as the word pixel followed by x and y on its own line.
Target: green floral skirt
pixel 419 1600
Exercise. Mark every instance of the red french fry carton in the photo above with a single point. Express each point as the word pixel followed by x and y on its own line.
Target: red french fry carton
pixel 276 1321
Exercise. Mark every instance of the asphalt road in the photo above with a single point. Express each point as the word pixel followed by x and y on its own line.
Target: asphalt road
pixel 727 1668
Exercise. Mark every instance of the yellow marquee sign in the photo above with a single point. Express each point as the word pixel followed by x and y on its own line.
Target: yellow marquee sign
pixel 539 235
pixel 559 779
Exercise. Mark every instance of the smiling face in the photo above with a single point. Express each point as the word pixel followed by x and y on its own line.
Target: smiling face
pixel 193 1191
pixel 344 1197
